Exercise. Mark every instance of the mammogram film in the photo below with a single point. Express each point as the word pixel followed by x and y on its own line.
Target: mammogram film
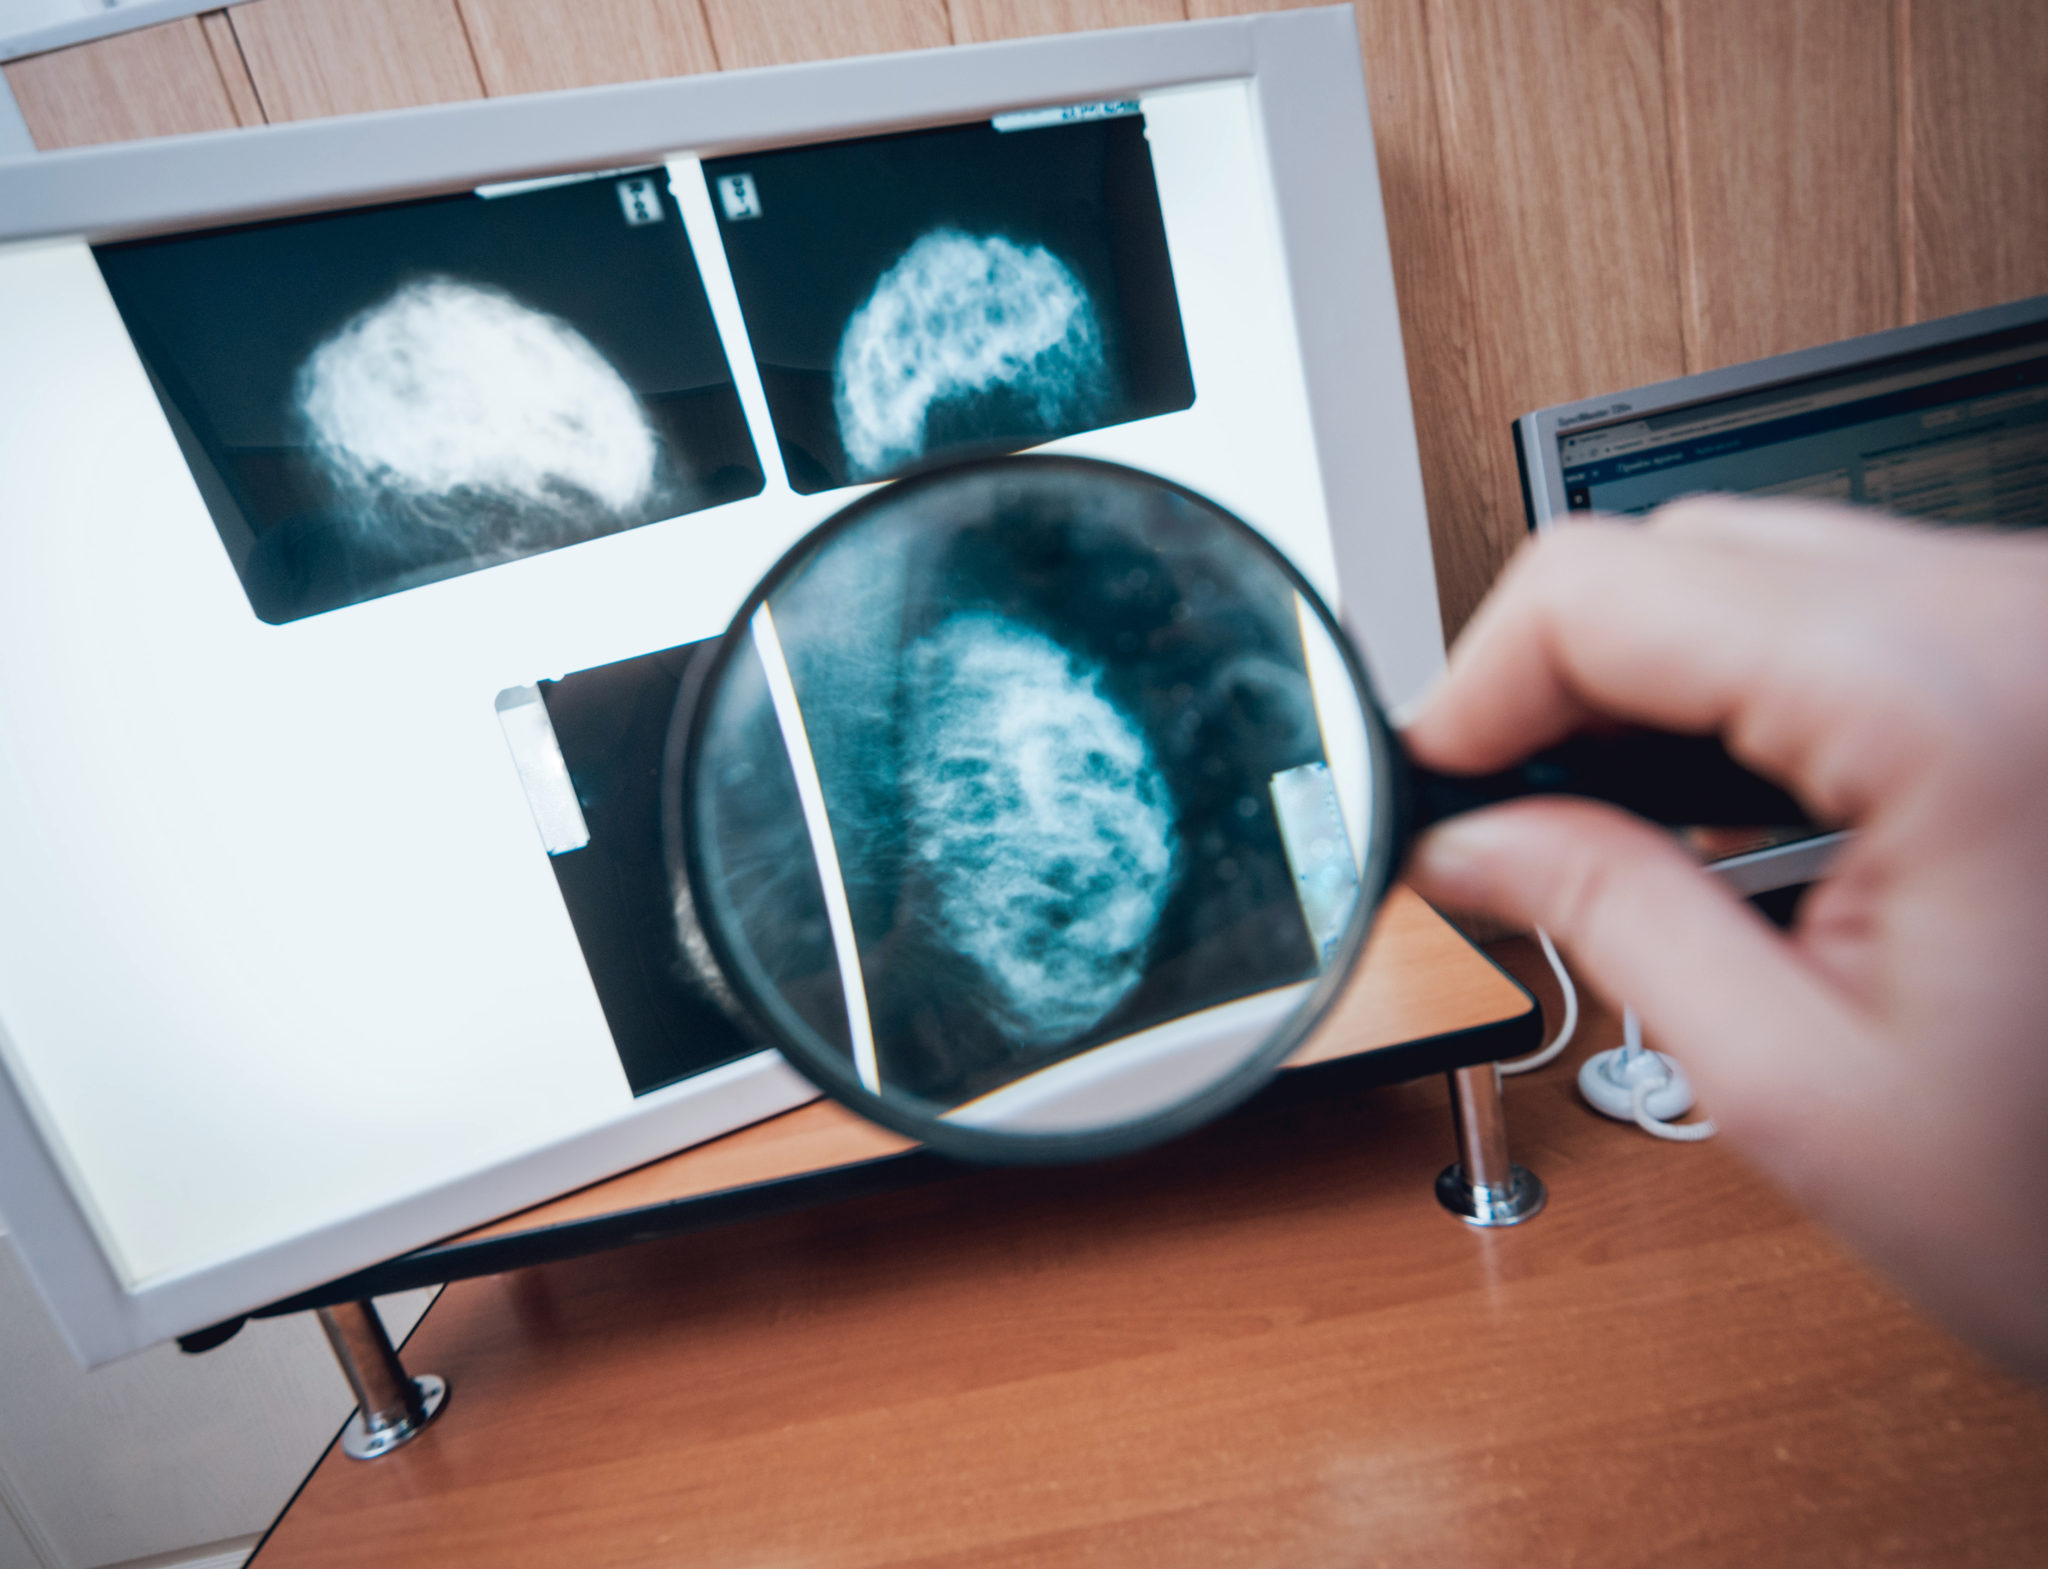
pixel 669 1014
pixel 944 293
pixel 376 399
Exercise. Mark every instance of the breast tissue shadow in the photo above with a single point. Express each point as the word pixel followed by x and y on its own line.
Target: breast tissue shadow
pixel 965 339
pixel 452 410
pixel 1038 823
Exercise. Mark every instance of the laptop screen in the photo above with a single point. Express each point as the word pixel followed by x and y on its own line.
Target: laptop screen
pixel 1957 434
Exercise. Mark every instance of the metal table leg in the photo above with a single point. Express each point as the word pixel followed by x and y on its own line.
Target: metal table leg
pixel 391 1407
pixel 1484 1188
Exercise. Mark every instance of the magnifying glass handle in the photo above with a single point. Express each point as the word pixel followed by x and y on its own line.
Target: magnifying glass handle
pixel 1680 781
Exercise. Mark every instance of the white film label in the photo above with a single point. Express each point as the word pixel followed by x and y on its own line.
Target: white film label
pixel 737 196
pixel 640 201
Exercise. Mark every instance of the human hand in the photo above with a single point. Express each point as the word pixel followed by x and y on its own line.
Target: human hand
pixel 1887 1061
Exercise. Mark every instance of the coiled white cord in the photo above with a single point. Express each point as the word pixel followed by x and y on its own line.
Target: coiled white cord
pixel 1648 1085
pixel 1645 1072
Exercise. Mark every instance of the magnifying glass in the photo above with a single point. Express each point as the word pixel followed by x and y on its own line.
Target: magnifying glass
pixel 1038 808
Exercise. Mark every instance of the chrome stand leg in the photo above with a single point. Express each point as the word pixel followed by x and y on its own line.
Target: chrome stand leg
pixel 391 1408
pixel 1484 1188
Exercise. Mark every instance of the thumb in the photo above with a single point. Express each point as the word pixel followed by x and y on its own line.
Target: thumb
pixel 1765 1035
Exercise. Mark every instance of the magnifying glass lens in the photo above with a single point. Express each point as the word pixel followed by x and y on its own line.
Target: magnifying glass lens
pixel 1028 808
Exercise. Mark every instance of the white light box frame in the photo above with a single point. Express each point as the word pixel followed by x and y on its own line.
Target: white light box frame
pixel 142 888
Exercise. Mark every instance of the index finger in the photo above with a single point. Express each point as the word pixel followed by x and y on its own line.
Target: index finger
pixel 1701 621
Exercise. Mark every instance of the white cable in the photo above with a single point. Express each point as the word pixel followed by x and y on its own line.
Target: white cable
pixel 1549 1053
pixel 1681 1132
pixel 1630 1048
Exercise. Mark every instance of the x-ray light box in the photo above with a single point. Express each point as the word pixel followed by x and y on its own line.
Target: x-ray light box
pixel 365 486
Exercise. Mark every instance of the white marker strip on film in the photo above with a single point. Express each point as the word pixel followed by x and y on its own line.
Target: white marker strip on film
pixel 782 692
pixel 543 771
pixel 700 223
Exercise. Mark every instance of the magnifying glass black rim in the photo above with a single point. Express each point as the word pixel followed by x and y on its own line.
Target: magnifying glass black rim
pixel 777 1025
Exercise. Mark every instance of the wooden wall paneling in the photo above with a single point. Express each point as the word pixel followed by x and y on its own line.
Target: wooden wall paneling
pixel 1784 159
pixel 975 21
pixel 1974 192
pixel 521 47
pixel 775 32
pixel 1433 285
pixel 157 81
pixel 1558 177
pixel 234 70
pixel 319 57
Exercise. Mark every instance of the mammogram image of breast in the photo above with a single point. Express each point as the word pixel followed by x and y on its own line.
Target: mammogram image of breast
pixel 453 408
pixel 1038 821
pixel 986 337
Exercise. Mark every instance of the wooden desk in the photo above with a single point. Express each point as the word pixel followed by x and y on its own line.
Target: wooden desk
pixel 1263 1345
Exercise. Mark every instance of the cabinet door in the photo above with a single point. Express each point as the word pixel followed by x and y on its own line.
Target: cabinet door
pixel 163 1453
